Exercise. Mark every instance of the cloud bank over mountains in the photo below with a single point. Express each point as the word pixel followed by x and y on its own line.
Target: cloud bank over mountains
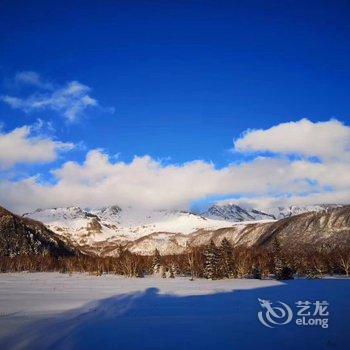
pixel 307 163
pixel 299 162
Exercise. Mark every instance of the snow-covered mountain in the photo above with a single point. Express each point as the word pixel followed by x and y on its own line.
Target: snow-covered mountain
pixel 102 230
pixel 75 224
pixel 233 212
pixel 286 212
pixel 90 226
pixel 330 227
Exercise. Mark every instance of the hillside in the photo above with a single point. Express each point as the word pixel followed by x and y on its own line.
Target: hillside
pixel 330 227
pixel 23 236
pixel 327 227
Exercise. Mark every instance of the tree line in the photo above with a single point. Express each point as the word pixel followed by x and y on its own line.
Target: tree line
pixel 210 261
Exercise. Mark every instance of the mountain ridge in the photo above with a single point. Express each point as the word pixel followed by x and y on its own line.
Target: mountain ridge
pixel 102 230
pixel 232 211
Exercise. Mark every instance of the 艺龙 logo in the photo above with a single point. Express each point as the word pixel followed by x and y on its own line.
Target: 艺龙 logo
pixel 274 315
pixel 308 313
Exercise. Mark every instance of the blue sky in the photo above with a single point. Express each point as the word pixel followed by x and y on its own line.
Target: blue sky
pixel 175 80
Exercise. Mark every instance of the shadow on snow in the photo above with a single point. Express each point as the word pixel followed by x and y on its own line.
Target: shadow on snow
pixel 149 320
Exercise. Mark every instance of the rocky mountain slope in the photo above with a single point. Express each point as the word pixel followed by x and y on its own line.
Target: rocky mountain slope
pixel 28 237
pixel 316 228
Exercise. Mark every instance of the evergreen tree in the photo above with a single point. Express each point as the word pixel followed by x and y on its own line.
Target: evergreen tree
pixel 256 272
pixel 226 259
pixel 211 270
pixel 156 262
pixel 311 273
pixel 171 271
pixel 163 271
pixel 191 264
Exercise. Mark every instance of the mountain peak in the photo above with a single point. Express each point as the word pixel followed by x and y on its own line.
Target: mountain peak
pixel 107 211
pixel 233 212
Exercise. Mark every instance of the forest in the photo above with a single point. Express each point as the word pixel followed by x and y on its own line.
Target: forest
pixel 210 261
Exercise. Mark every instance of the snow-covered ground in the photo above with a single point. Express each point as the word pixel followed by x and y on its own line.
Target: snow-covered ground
pixel 57 311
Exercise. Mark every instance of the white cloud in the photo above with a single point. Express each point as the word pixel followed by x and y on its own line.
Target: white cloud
pixel 326 140
pixel 20 146
pixel 71 100
pixel 32 78
pixel 14 102
pixel 266 202
pixel 146 182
